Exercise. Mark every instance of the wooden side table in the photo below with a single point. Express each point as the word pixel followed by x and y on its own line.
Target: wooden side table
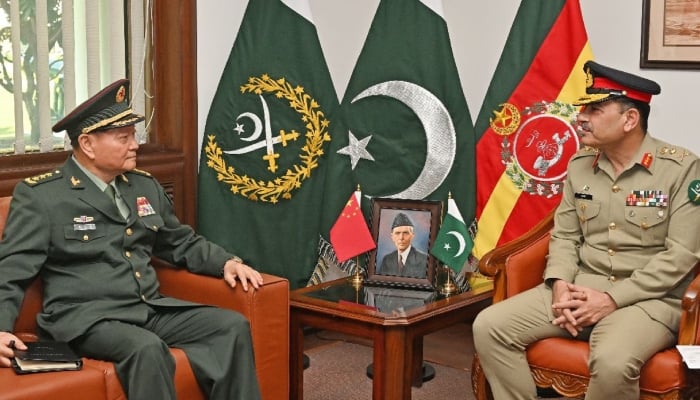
pixel 396 328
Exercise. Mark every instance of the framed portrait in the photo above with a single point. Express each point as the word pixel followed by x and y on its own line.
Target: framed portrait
pixel 670 34
pixel 404 231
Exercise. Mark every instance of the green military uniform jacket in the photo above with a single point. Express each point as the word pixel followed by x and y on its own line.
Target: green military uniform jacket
pixel 94 263
pixel 634 236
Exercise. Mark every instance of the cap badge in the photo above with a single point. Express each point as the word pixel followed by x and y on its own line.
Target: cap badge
pixel 589 78
pixel 694 192
pixel 121 94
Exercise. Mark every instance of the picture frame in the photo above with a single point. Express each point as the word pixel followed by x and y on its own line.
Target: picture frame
pixel 420 266
pixel 670 34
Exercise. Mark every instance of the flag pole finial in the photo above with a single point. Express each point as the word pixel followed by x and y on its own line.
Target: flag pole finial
pixel 358 188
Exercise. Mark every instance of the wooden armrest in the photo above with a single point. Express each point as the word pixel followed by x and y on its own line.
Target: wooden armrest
pixel 518 265
pixel 689 330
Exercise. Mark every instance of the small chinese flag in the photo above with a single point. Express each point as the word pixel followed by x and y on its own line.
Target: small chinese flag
pixel 350 235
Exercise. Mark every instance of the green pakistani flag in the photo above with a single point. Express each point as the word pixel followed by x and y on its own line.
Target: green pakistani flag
pixel 453 243
pixel 409 133
pixel 265 143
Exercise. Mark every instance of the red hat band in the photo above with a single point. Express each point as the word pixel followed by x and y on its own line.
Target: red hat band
pixel 603 83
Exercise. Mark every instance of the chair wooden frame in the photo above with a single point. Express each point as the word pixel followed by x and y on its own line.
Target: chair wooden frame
pixel 519 265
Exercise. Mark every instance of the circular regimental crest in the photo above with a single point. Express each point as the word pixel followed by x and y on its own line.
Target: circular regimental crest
pixel 536 152
pixel 281 186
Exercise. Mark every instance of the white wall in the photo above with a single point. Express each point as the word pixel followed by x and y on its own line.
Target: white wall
pixel 478 30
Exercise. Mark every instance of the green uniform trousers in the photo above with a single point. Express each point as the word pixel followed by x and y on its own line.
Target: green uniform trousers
pixel 619 345
pixel 217 342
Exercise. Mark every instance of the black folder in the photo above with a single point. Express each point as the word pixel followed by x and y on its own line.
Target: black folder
pixel 46 356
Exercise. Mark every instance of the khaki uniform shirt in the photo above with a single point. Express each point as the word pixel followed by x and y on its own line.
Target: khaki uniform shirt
pixel 94 263
pixel 635 236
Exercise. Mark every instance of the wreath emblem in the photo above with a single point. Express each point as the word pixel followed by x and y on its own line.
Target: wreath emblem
pixel 283 185
pixel 534 161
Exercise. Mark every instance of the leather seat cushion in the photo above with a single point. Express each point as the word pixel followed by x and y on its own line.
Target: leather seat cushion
pixel 559 354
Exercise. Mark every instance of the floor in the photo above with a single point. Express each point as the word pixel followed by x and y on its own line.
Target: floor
pixel 451 347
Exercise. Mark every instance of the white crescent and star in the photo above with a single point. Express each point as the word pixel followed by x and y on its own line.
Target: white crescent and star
pixel 440 134
pixel 460 239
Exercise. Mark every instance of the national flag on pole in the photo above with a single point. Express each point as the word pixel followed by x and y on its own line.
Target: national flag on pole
pixel 350 235
pixel 266 140
pixel 525 129
pixel 453 244
pixel 409 133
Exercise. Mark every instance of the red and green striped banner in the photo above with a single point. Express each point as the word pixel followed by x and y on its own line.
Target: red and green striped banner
pixel 526 136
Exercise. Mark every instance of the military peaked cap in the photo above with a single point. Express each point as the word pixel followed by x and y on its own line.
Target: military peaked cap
pixel 110 108
pixel 401 219
pixel 605 83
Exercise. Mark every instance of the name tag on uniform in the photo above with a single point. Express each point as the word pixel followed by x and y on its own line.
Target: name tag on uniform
pixel 584 196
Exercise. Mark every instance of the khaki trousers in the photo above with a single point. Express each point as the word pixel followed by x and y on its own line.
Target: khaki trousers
pixel 619 345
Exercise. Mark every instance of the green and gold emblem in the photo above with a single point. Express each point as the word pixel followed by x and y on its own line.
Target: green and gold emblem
pixel 283 185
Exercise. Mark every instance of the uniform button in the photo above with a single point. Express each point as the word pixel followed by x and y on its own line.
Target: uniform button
pixel 612 226
pixel 86 238
pixel 127 254
pixel 612 278
pixel 138 274
pixel 155 228
pixel 582 207
pixel 615 188
pixel 611 252
pixel 129 232
pixel 143 297
pixel 644 225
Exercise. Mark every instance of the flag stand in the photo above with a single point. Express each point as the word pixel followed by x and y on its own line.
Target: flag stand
pixel 448 288
pixel 357 279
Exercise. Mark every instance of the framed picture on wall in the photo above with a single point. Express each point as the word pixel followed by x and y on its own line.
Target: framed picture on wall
pixel 670 34
pixel 404 231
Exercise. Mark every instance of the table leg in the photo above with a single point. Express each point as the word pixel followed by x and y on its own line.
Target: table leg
pixel 393 365
pixel 296 359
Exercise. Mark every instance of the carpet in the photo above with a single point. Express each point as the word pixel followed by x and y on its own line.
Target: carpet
pixel 337 372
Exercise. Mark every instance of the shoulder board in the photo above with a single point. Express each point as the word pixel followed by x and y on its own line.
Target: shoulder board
pixel 677 154
pixel 141 172
pixel 42 178
pixel 585 152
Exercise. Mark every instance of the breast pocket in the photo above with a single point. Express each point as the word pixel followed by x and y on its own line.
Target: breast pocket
pixel 587 211
pixel 650 224
pixel 83 232
pixel 152 222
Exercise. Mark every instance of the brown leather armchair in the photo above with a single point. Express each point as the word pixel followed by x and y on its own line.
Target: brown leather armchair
pixel 267 309
pixel 518 266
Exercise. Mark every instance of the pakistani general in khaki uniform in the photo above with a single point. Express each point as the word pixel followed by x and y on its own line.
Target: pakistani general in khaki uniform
pixel 622 251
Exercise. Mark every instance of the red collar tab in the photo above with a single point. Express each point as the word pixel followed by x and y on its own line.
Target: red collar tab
pixel 647 158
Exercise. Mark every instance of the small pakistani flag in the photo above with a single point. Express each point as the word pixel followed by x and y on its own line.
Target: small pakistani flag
pixel 453 243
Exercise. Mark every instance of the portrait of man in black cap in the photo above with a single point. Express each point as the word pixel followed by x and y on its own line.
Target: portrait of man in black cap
pixel 621 252
pixel 406 260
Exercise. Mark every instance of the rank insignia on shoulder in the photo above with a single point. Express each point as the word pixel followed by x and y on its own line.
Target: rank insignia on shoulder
pixel 41 178
pixel 673 153
pixel 141 172
pixel 694 192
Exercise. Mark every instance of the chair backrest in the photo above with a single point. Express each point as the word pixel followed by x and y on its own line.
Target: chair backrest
pixel 31 306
